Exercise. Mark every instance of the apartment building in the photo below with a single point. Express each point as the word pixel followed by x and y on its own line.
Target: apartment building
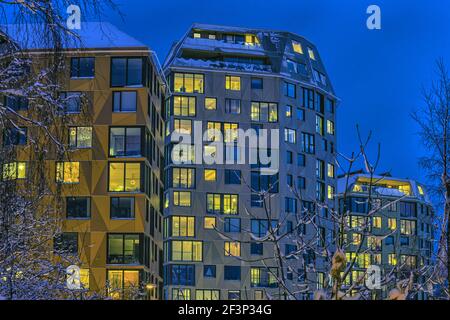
pixel 111 175
pixel 400 236
pixel 230 78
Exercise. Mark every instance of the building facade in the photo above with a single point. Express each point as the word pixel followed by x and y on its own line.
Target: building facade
pixel 400 235
pixel 110 178
pixel 223 79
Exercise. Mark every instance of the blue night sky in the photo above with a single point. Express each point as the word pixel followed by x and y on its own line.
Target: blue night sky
pixel 377 74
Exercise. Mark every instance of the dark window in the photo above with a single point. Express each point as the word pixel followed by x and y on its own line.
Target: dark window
pixel 82 68
pixel 124 101
pixel 122 208
pixel 232 225
pixel 290 249
pixel 71 101
pixel 234 295
pixel 301 160
pixel 257 200
pixel 289 89
pixel 260 227
pixel 260 182
pixel 232 273
pixel 256 248
pixel 257 83
pixel 233 106
pixel 66 243
pixel 300 114
pixel 404 241
pixel 181 275
pixel 329 105
pixel 15 137
pixel 209 271
pixel 125 142
pixel 290 205
pixel 308 143
pixel 408 209
pixel 232 176
pixel 289 157
pixel 16 103
pixel 127 72
pixel 301 181
pixel 78 207
pixel 389 240
pixel 307 98
pixel 124 249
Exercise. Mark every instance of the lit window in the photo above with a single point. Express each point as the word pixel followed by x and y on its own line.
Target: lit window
pixel 210 174
pixel 297 47
pixel 232 83
pixel 330 127
pixel 212 37
pixel 330 170
pixel 420 190
pixel 251 40
pixel 125 177
pixel 330 193
pixel 188 82
pixel 214 132
pixel 231 131
pixel 408 227
pixel 205 294
pixel 392 224
pixel 182 198
pixel 181 294
pixel 222 203
pixel 122 283
pixel 186 250
pixel 357 239
pixel 182 226
pixel 68 172
pixel 183 178
pixel 311 54
pixel 392 259
pixel 14 170
pixel 184 106
pixel 80 137
pixel 232 249
pixel 182 126
pixel 319 125
pixel 288 111
pixel 197 35
pixel 264 112
pixel 209 223
pixel 376 222
pixel 210 103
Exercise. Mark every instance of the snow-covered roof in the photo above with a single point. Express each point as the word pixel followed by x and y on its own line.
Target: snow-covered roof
pixel 92 35
pixel 379 186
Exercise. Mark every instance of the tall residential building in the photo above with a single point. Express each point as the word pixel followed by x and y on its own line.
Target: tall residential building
pixel 400 237
pixel 111 176
pixel 229 78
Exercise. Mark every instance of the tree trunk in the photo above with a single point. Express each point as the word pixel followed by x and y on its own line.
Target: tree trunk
pixel 447 219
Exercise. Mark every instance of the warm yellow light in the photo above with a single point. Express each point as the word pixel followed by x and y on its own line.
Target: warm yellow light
pixel 150 286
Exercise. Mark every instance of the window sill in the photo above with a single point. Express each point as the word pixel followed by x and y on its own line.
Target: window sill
pixel 82 78
pixel 74 219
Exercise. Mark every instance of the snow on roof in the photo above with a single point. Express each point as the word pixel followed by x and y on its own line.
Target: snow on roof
pixel 92 35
